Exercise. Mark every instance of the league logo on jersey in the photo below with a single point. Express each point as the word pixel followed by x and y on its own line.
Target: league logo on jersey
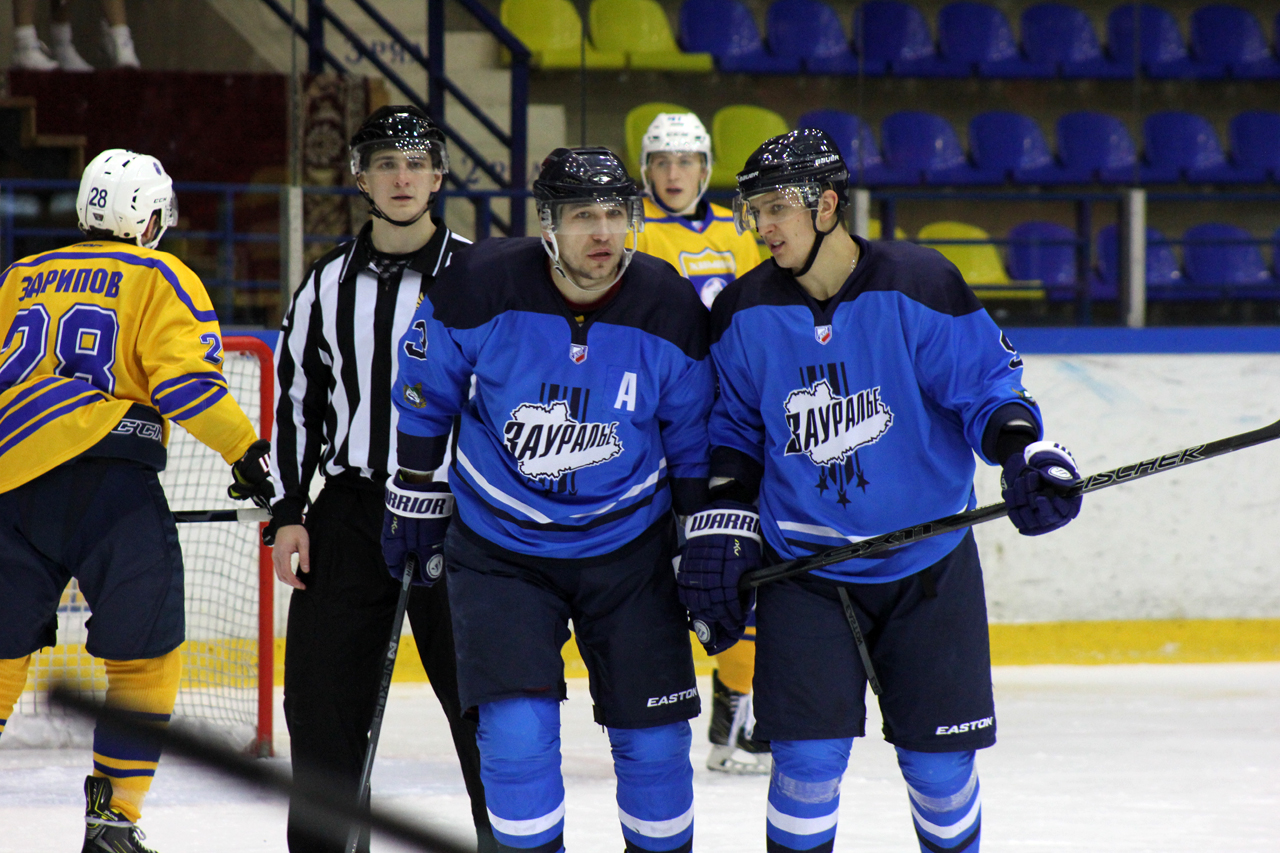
pixel 822 334
pixel 829 428
pixel 577 353
pixel 548 442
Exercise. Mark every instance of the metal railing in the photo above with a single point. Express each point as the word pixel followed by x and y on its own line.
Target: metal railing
pixel 36 215
pixel 513 178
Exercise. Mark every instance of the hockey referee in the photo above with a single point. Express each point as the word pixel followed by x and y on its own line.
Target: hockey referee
pixel 334 371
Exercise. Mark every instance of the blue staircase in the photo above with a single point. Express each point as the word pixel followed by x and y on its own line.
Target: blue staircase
pixel 511 177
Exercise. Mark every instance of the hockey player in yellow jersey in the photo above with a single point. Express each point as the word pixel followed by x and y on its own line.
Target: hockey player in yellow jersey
pixel 699 239
pixel 681 227
pixel 102 344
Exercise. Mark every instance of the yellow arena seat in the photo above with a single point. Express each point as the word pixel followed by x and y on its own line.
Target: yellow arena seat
pixel 552 30
pixel 640 29
pixel 736 131
pixel 638 121
pixel 979 264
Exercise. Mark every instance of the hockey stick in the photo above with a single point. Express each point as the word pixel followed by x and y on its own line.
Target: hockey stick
pixel 187 516
pixel 1124 474
pixel 380 707
pixel 325 808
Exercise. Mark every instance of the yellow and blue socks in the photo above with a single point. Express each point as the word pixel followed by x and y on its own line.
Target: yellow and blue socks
pixel 146 690
pixel 13 677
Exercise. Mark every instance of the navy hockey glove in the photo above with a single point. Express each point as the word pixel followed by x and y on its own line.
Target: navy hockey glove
pixel 252 475
pixel 723 544
pixel 415 524
pixel 1036 485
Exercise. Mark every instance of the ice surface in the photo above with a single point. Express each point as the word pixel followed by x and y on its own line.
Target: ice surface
pixel 1165 758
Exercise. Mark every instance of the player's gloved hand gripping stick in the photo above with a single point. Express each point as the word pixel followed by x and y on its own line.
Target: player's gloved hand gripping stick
pixel 723 544
pixel 252 475
pixel 415 524
pixel 1101 480
pixel 252 481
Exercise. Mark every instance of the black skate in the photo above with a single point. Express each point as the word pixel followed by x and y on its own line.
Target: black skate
pixel 105 828
pixel 733 749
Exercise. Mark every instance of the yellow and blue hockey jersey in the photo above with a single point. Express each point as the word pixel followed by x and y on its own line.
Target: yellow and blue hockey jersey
pixel 708 251
pixel 89 331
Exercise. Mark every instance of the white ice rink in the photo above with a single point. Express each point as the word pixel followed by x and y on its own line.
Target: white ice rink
pixel 1167 758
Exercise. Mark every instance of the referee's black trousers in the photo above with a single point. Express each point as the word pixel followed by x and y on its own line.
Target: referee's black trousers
pixel 337 637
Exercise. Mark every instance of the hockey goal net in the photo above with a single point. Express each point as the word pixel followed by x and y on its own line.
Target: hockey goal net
pixel 228 656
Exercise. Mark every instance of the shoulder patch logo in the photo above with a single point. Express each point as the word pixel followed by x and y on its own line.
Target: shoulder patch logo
pixel 827 428
pixel 577 353
pixel 547 442
pixel 822 334
pixel 413 396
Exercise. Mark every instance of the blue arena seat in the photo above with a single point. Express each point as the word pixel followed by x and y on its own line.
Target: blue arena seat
pixel 1045 252
pixel 1062 36
pixel 726 30
pixel 1162 265
pixel 1184 145
pixel 1275 255
pixel 810 31
pixel 1218 253
pixel 925 145
pixel 857 146
pixel 896 34
pixel 1011 145
pixel 1164 53
pixel 1231 38
pixel 1255 141
pixel 979 36
pixel 1096 147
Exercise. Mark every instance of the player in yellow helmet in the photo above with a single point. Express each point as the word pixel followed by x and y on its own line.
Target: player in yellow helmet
pixel 681 227
pixel 102 344
pixel 699 239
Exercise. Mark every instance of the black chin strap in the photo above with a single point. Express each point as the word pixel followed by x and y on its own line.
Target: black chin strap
pixel 374 210
pixel 818 237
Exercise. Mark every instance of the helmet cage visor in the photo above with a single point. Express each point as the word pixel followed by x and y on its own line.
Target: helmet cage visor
pixel 420 153
pixel 607 215
pixel 774 205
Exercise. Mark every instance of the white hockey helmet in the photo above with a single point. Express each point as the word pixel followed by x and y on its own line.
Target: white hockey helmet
pixel 119 192
pixel 675 132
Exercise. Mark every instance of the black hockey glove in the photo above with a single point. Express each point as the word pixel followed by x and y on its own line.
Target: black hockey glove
pixel 252 475
pixel 1036 485
pixel 723 543
pixel 414 527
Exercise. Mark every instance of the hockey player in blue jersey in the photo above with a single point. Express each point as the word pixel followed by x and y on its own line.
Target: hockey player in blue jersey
pixel 579 372
pixel 857 380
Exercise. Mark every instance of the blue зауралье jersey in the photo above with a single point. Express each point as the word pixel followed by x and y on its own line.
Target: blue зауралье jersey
pixel 865 414
pixel 576 436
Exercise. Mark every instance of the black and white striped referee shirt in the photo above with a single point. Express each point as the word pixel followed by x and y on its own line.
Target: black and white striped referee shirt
pixel 336 363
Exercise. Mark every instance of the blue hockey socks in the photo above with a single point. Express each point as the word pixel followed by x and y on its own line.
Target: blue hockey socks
pixel 946 801
pixel 519 742
pixel 804 794
pixel 655 787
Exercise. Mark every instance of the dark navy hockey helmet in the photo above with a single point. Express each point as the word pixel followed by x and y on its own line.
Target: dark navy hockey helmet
pixel 802 156
pixel 585 176
pixel 803 163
